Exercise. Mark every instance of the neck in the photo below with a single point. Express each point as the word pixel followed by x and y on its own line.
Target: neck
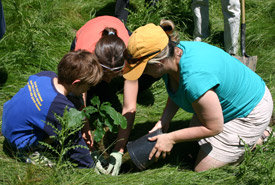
pixel 60 88
pixel 174 64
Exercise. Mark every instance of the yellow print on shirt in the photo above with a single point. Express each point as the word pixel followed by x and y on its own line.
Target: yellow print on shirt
pixel 37 91
pixel 35 95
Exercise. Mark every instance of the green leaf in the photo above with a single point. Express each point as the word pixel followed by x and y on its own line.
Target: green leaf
pixel 75 117
pixel 98 123
pixel 98 134
pixel 102 113
pixel 95 101
pixel 50 147
pixel 89 110
pixel 74 147
pixel 115 129
pixel 107 103
pixel 117 117
pixel 107 122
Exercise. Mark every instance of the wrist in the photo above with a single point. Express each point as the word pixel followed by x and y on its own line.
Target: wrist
pixel 171 137
pixel 119 147
pixel 117 151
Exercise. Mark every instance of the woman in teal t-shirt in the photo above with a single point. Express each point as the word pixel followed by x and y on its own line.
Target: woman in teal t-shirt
pixel 231 104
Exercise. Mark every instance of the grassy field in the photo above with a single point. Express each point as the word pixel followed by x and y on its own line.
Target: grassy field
pixel 39 33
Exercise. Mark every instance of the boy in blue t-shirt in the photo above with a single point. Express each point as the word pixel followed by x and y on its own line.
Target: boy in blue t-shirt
pixel 26 114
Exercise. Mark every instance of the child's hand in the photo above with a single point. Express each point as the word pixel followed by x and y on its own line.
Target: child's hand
pixel 87 136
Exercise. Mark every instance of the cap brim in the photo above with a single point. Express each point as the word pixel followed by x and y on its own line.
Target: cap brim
pixel 133 71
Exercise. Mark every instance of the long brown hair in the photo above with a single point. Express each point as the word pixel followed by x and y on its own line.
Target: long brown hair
pixel 109 49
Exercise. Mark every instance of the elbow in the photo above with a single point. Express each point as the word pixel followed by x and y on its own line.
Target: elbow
pixel 214 128
pixel 128 110
pixel 217 130
pixel 217 126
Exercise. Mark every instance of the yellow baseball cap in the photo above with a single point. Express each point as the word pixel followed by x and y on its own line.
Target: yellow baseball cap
pixel 144 44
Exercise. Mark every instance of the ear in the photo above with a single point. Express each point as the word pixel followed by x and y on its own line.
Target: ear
pixel 76 82
pixel 178 52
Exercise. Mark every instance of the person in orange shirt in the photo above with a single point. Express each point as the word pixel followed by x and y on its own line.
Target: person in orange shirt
pixel 107 38
pixel 96 29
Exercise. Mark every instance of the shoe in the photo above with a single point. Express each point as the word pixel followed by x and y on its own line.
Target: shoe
pixel 265 137
pixel 36 158
pixel 198 39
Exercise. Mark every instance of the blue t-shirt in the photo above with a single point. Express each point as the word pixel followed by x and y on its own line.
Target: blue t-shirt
pixel 203 67
pixel 26 114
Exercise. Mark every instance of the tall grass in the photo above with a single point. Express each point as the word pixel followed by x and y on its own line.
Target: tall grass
pixel 39 33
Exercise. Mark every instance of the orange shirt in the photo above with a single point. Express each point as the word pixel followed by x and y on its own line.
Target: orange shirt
pixel 89 34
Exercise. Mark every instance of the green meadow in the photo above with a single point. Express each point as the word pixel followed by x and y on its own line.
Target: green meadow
pixel 39 33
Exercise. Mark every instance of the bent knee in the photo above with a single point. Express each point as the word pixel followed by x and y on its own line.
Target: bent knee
pixel 205 162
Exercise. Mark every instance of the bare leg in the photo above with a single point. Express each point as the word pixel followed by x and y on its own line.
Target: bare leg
pixel 205 162
pixel 264 136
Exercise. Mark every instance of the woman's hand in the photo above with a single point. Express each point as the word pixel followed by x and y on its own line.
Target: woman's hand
pixel 156 127
pixel 163 146
pixel 159 125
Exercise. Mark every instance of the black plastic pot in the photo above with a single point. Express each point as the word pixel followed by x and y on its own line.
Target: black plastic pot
pixel 140 149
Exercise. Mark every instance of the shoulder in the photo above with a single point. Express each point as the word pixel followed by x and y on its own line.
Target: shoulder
pixel 59 103
pixel 46 74
pixel 103 21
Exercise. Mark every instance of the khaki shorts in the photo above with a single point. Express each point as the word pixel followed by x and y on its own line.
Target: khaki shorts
pixel 228 146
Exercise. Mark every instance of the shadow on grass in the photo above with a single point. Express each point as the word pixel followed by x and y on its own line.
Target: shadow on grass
pixel 217 38
pixel 108 9
pixel 8 150
pixel 4 77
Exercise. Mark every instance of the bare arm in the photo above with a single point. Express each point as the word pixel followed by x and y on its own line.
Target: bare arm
pixel 168 113
pixel 86 130
pixel 208 110
pixel 87 135
pixel 129 110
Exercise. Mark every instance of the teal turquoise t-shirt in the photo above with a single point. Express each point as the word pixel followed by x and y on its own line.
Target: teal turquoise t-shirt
pixel 203 67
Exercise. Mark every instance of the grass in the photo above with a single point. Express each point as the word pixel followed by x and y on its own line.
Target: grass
pixel 39 33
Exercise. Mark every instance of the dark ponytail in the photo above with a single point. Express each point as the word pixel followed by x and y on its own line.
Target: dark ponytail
pixel 169 27
pixel 109 31
pixel 109 49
